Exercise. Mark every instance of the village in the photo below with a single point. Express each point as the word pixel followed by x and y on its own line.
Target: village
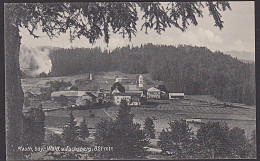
pixel 111 91
pixel 134 91
pixel 97 97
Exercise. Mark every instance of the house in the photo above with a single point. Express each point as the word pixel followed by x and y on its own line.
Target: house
pixel 194 124
pixel 71 94
pixel 176 95
pixel 131 98
pixel 86 99
pixel 135 100
pixel 78 97
pixel 153 93
pixel 121 96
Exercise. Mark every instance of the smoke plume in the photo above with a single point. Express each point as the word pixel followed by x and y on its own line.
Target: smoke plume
pixel 34 61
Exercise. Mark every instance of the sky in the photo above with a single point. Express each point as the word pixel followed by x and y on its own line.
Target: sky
pixel 238 34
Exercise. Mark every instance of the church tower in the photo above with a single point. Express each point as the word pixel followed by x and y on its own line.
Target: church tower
pixel 90 76
pixel 141 81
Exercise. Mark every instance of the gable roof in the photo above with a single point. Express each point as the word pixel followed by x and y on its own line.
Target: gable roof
pixel 91 94
pixel 153 89
pixel 176 94
pixel 68 93
pixel 128 94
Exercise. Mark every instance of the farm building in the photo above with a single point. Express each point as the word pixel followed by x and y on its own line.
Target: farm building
pixel 131 98
pixel 79 97
pixel 153 93
pixel 68 93
pixel 176 95
pixel 121 96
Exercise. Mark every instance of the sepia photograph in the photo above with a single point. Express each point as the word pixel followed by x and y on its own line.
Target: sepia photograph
pixel 130 80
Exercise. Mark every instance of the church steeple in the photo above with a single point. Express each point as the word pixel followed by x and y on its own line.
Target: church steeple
pixel 141 81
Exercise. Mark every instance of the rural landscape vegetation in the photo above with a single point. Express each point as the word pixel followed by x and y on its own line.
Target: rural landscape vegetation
pixel 133 102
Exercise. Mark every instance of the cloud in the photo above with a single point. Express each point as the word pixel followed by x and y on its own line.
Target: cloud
pixel 203 37
pixel 239 45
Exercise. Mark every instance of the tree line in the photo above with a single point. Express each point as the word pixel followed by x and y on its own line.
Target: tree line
pixel 185 68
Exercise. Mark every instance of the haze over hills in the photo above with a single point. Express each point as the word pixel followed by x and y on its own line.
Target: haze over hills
pixel 242 55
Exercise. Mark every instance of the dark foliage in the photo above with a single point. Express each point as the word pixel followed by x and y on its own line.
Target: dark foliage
pixel 213 140
pixel 238 143
pixel 177 141
pixel 118 86
pixel 83 132
pixel 125 136
pixel 63 100
pixel 70 134
pixel 58 85
pixel 149 128
pixel 192 70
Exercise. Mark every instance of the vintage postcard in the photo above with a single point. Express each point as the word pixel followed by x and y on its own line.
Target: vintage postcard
pixel 130 80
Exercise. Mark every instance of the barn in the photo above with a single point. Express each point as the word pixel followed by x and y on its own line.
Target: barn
pixel 176 95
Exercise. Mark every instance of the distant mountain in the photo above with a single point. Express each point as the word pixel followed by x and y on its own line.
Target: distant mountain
pixel 242 55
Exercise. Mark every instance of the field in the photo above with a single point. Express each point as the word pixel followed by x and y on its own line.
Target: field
pixel 164 113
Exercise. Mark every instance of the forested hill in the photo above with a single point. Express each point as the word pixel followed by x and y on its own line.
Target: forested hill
pixel 188 69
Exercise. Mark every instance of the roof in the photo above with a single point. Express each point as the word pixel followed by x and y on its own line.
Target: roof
pixel 93 86
pixel 176 94
pixel 105 86
pixel 133 91
pixel 91 94
pixel 68 93
pixel 153 89
pixel 128 94
pixel 131 87
pixel 194 121
pixel 128 81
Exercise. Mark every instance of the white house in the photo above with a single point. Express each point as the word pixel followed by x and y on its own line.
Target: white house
pixel 121 96
pixel 176 95
pixel 153 93
pixel 132 98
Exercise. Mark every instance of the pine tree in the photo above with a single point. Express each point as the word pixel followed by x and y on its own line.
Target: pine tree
pixel 70 134
pixel 177 139
pixel 84 131
pixel 125 136
pixel 149 128
pixel 238 143
pixel 213 140
pixel 164 142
